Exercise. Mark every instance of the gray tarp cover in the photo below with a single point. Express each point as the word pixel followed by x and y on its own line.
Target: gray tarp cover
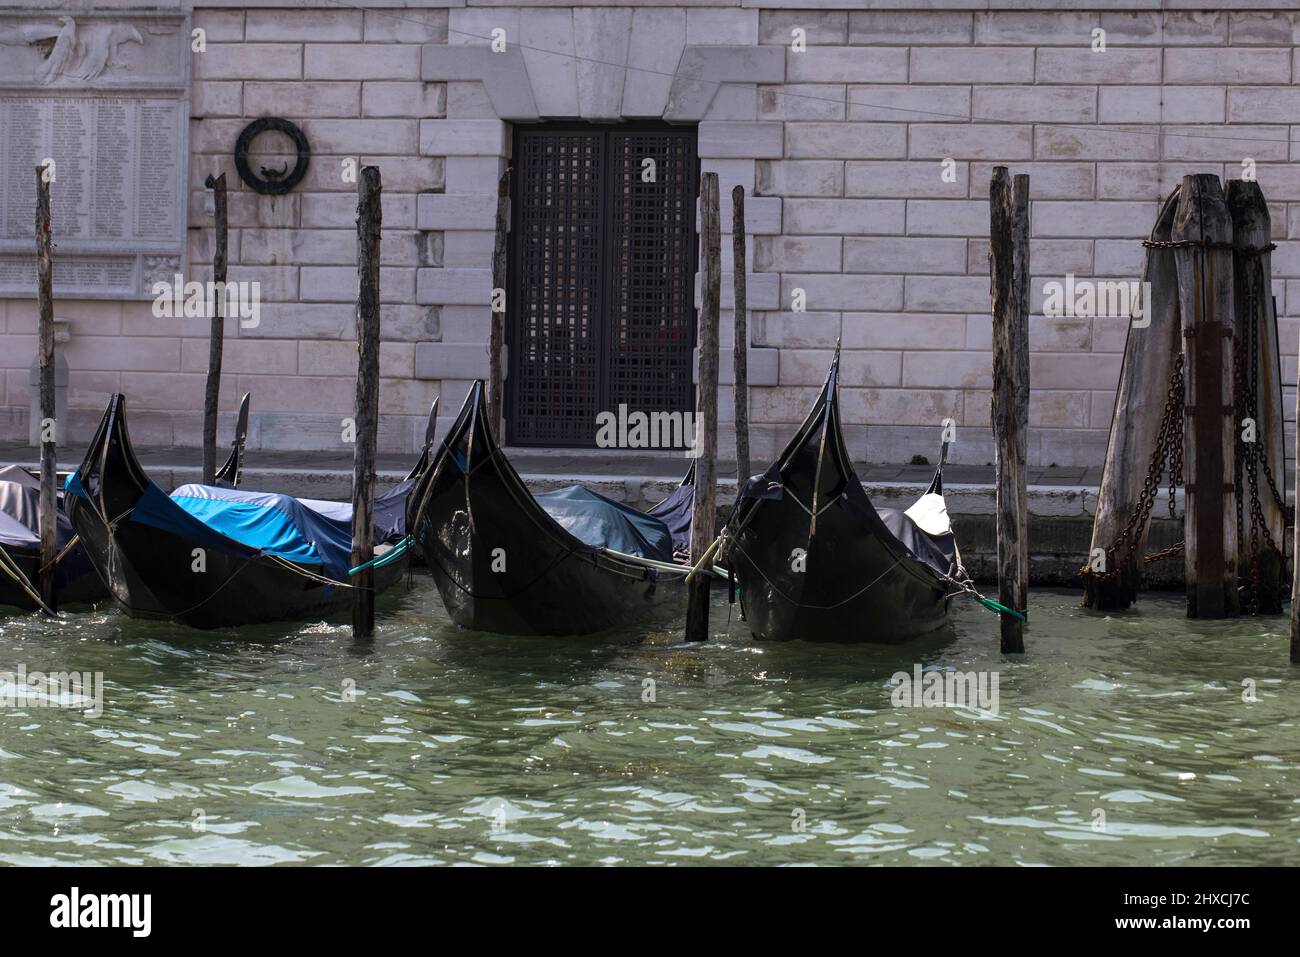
pixel 20 505
pixel 603 523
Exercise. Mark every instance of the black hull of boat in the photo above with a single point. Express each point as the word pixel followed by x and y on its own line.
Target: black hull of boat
pixel 503 565
pixel 843 578
pixel 817 605
pixel 574 594
pixel 151 573
pixel 75 582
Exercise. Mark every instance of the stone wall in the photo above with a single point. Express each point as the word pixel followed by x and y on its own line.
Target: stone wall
pixel 841 147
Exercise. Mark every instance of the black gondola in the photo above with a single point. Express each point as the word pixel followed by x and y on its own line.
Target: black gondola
pixel 815 560
pixel 569 562
pixel 75 580
pixel 226 557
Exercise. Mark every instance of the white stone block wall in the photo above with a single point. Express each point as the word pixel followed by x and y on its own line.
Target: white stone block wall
pixel 350 78
pixel 894 260
pixel 840 148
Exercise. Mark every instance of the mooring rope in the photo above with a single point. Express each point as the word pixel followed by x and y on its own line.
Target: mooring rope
pixel 671 567
pixel 399 549
pixel 72 543
pixel 310 576
pixel 11 568
pixel 708 554
pixel 968 588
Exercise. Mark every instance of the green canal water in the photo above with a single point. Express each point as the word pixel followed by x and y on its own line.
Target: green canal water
pixel 1117 740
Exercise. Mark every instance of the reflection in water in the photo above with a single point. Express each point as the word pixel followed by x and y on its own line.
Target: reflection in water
pixel 1118 740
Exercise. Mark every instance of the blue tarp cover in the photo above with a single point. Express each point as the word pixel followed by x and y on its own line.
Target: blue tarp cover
pixel 262 521
pixel 300 530
pixel 603 523
pixel 675 511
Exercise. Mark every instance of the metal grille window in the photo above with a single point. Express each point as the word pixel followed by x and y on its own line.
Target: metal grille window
pixel 601 306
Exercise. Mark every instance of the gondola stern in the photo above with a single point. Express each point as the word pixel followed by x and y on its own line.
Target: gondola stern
pixel 229 474
pixel 426 451
pixel 936 483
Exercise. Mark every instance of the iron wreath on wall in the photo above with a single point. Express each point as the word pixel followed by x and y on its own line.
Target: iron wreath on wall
pixel 271 182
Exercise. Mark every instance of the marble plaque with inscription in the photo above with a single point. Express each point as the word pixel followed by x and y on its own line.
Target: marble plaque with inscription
pixel 105 96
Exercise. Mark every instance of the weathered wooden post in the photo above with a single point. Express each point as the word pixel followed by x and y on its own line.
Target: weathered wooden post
pixel 497 335
pixel 1204 229
pixel 704 514
pixel 216 333
pixel 740 348
pixel 369 221
pixel 1009 275
pixel 1261 426
pixel 49 425
pixel 1295 572
pixel 1135 456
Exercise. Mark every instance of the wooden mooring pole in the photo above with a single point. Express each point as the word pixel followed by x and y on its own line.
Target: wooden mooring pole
pixel 1295 571
pixel 1261 426
pixel 1009 282
pixel 369 222
pixel 1205 299
pixel 740 346
pixel 48 431
pixel 1120 526
pixel 216 333
pixel 704 517
pixel 497 334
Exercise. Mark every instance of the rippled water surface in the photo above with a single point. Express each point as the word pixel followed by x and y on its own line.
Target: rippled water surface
pixel 1117 740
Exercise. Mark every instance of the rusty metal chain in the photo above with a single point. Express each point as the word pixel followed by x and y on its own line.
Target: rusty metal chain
pixel 1240 406
pixel 1207 244
pixel 1252 456
pixel 1168 449
pixel 1176 388
pixel 1169 552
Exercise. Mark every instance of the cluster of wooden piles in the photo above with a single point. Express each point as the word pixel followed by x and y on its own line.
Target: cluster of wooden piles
pixel 1199 408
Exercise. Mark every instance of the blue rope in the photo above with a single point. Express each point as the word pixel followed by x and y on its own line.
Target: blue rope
pixel 392 555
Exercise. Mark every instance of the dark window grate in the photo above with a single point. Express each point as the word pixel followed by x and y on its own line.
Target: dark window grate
pixel 600 310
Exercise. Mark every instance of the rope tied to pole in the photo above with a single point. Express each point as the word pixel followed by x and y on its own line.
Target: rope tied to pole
pixel 387 558
pixel 72 543
pixel 11 568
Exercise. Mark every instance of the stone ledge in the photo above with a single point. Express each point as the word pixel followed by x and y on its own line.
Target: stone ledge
pixel 702 69
pixel 504 75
